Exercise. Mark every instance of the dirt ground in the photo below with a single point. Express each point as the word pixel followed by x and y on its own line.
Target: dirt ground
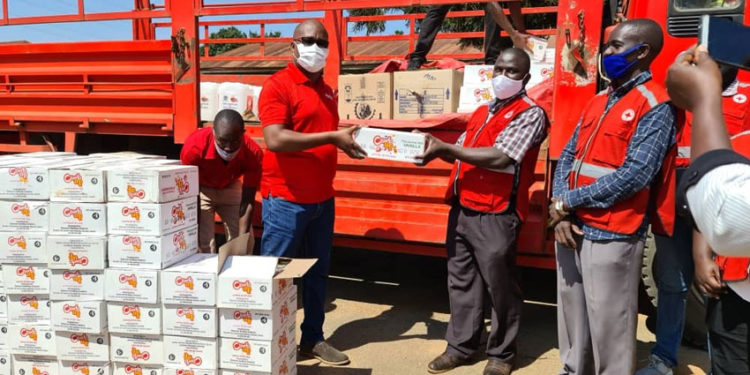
pixel 389 313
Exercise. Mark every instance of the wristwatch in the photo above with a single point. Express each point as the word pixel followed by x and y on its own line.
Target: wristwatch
pixel 560 207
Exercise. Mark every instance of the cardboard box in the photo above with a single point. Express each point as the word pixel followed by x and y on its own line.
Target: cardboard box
pixel 76 346
pixel 5 363
pixel 191 282
pixel 135 369
pixel 189 371
pixel 23 182
pixel 151 219
pixel 152 252
pixel 141 350
pixel 83 317
pixel 26 279
pixel 24 216
pixel 77 252
pixel 472 97
pixel 78 184
pixel 192 321
pixel 478 76
pixel 131 285
pixel 85 368
pixel 258 324
pixel 156 184
pixel 390 144
pixel 423 93
pixel 366 96
pixel 250 355
pixel 28 365
pixel 32 309
pixel 286 366
pixel 31 339
pixel 248 282
pixel 134 319
pixel 77 285
pixel 126 155
pixel 538 47
pixel 78 218
pixel 48 154
pixel 539 72
pixel 190 352
pixel 23 247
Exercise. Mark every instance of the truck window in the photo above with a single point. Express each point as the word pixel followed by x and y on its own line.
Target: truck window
pixel 707 4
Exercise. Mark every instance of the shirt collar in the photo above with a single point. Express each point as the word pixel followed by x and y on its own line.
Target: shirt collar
pixel 640 79
pixel 298 76
pixel 732 89
pixel 497 104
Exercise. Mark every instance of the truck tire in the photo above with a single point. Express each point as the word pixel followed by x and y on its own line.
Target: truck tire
pixel 695 309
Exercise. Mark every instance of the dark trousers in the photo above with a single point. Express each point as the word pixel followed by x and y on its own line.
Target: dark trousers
pixel 302 231
pixel 728 321
pixel 430 26
pixel 481 259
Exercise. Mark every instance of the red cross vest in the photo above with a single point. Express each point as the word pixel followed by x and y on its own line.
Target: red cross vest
pixel 494 191
pixel 735 268
pixel 736 116
pixel 603 139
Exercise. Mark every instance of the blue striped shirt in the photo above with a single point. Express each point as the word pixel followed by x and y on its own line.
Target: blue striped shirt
pixel 654 134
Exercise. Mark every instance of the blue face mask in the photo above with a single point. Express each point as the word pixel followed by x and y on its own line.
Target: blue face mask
pixel 617 65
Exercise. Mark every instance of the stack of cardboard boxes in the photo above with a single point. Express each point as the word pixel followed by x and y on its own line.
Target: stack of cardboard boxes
pixel 152 223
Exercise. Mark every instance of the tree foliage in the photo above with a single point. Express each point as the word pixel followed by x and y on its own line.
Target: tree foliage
pixel 462 24
pixel 225 33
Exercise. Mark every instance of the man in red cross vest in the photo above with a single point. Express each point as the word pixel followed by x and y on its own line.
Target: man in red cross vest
pixel 607 190
pixel 493 168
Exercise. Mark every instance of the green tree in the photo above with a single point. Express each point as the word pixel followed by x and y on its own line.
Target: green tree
pixel 225 33
pixel 462 24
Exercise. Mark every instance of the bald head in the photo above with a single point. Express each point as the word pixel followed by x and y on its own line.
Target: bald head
pixel 310 28
pixel 229 129
pixel 635 32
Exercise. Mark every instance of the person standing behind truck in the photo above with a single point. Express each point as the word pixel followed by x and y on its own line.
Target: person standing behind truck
pixel 673 264
pixel 493 16
pixel 223 154
pixel 299 116
pixel 493 169
pixel 606 188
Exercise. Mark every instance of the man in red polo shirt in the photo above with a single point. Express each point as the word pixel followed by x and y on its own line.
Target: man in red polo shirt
pixel 299 115
pixel 223 154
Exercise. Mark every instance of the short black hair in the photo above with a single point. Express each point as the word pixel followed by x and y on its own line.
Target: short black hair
pixel 229 117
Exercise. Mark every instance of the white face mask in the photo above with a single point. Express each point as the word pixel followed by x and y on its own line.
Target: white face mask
pixel 311 58
pixel 505 87
pixel 226 156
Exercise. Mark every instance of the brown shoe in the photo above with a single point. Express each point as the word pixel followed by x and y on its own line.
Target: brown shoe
pixel 497 367
pixel 444 362
pixel 325 353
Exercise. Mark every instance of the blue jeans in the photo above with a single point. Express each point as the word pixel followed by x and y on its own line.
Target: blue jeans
pixel 673 270
pixel 302 231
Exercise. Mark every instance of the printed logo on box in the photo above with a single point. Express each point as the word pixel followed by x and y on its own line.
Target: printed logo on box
pixel 385 144
pixel 133 241
pixel 19 241
pixel 133 212
pixel 191 360
pixel 83 368
pixel 75 213
pixel 74 310
pixel 135 370
pixel 283 369
pixel 135 193
pixel 243 285
pixel 185 372
pixel 482 95
pixel 134 311
pixel 26 271
pixel 187 282
pixel 30 333
pixel 187 313
pixel 22 208
pixel 180 244
pixel 73 275
pixel 30 301
pixel 183 186
pixel 138 355
pixel 36 371
pixel 283 341
pixel 178 214
pixel 73 178
pixel 80 338
pixel 245 316
pixel 21 173
pixel 131 280
pixel 241 346
pixel 75 260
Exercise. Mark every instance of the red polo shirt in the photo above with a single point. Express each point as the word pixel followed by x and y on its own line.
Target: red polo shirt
pixel 213 172
pixel 289 98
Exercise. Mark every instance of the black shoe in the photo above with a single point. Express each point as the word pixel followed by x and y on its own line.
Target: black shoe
pixel 497 367
pixel 415 64
pixel 325 353
pixel 444 362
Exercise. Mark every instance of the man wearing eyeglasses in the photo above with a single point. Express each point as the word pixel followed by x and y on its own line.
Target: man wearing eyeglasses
pixel 223 154
pixel 299 116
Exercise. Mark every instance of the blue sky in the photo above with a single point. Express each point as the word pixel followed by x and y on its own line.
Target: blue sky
pixel 112 30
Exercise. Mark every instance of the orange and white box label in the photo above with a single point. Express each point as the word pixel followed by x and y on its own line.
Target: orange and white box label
pixel 136 369
pixel 190 352
pixel 253 355
pixel 77 252
pixel 78 346
pixel 78 218
pixel 151 219
pixel 139 350
pixel 192 321
pixel 77 285
pixel 85 368
pixel 29 365
pixel 80 316
pixel 191 282
pixel 258 324
pixel 26 279
pixel 152 252
pixel 24 216
pixel 132 285
pixel 134 318
pixel 23 247
pixel 29 308
pixel 31 339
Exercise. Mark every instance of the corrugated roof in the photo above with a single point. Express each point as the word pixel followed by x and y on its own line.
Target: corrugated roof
pixel 397 47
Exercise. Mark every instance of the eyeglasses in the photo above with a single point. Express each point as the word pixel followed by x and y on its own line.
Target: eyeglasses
pixel 308 41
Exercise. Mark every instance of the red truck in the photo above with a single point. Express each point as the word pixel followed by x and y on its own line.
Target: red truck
pixel 142 95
